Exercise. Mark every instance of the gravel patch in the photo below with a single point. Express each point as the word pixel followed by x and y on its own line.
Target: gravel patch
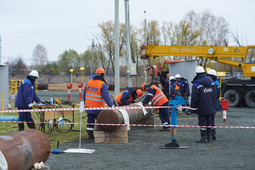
pixel 233 149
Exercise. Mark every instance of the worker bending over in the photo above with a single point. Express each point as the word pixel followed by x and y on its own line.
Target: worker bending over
pixel 25 99
pixel 127 96
pixel 157 98
pixel 94 95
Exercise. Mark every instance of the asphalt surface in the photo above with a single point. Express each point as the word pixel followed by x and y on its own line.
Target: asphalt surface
pixel 233 149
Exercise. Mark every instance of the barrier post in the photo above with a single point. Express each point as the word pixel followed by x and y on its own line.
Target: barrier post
pixel 224 105
pixel 69 86
pixel 80 84
pixel 49 77
pixel 174 103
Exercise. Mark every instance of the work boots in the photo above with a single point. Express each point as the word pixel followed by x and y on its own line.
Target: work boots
pixel 203 134
pixel 31 125
pixel 21 126
pixel 214 134
pixel 209 134
pixel 90 135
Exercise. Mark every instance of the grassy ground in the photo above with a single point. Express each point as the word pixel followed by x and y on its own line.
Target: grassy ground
pixel 55 136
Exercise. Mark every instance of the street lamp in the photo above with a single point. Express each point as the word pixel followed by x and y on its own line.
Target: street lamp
pixel 80 84
pixel 82 69
pixel 71 71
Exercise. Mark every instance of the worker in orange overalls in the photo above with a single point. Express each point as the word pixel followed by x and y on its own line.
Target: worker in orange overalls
pixel 174 88
pixel 94 95
pixel 127 96
pixel 157 98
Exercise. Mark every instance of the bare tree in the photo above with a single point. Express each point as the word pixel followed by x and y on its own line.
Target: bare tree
pixel 214 30
pixel 39 55
pixel 17 65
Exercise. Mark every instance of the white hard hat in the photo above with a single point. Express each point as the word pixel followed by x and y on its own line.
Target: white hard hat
pixel 212 72
pixel 171 78
pixel 178 76
pixel 200 69
pixel 34 73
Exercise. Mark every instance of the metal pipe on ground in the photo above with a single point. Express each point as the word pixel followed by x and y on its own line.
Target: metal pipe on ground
pixel 23 149
pixel 115 116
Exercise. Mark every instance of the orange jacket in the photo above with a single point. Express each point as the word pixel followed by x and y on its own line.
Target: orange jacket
pixel 93 94
pixel 159 98
pixel 177 88
pixel 120 95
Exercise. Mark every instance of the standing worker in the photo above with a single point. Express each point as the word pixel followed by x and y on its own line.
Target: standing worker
pixel 26 96
pixel 212 73
pixel 184 89
pixel 166 90
pixel 128 96
pixel 203 99
pixel 157 98
pixel 174 88
pixel 94 95
pixel 152 72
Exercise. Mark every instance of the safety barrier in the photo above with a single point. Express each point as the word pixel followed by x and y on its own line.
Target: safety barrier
pixel 91 108
pixel 111 108
pixel 142 125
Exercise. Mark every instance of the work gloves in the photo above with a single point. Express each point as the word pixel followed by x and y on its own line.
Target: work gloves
pixel 31 105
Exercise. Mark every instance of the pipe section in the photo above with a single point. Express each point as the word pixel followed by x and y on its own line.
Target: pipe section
pixel 25 148
pixel 115 117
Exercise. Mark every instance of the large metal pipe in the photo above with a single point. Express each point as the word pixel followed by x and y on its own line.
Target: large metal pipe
pixel 115 116
pixel 23 149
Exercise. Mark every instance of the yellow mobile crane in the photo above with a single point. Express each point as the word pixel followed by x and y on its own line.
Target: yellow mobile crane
pixel 234 91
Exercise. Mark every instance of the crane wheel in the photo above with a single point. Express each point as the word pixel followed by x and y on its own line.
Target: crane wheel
pixel 234 97
pixel 250 98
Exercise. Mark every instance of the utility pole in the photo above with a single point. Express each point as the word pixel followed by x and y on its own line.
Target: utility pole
pixel 145 43
pixel 91 60
pixel 116 35
pixel 0 49
pixel 128 50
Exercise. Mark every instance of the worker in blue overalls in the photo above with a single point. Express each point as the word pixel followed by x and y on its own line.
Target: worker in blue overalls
pixel 25 99
pixel 174 88
pixel 213 74
pixel 184 90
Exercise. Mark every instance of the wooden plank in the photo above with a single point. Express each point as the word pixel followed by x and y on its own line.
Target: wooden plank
pixel 65 113
pixel 120 135
pixel 49 115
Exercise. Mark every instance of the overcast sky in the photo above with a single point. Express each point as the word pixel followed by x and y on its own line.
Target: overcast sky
pixel 71 24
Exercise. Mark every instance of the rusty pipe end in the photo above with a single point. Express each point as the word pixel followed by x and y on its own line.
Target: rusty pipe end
pixel 111 117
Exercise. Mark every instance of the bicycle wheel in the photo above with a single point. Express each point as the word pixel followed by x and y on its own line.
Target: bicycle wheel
pixel 64 125
pixel 46 128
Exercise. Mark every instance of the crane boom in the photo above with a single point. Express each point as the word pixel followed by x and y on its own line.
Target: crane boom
pixel 220 54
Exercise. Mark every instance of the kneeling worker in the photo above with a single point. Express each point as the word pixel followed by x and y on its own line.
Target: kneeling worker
pixel 94 95
pixel 157 98
pixel 128 96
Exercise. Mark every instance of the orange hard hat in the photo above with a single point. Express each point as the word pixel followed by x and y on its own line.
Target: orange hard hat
pixel 167 75
pixel 100 71
pixel 143 86
pixel 139 93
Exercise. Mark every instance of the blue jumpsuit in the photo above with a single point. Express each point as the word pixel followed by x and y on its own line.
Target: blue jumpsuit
pixel 203 98
pixel 26 95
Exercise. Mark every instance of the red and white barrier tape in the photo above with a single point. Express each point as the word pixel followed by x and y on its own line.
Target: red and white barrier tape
pixel 91 108
pixel 142 125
